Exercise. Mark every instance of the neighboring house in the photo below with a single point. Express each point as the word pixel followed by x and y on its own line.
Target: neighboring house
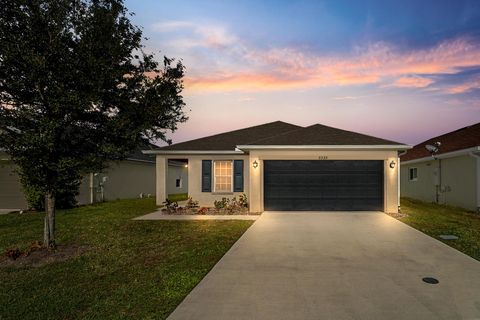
pixel 281 166
pixel 130 178
pixel 449 176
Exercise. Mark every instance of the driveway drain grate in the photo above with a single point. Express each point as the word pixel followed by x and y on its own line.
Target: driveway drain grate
pixel 430 280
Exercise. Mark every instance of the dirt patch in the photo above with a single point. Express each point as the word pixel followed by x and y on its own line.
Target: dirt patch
pixel 43 256
pixel 398 215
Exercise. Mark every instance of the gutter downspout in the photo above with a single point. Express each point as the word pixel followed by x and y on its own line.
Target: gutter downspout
pixel 398 177
pixel 439 186
pixel 477 156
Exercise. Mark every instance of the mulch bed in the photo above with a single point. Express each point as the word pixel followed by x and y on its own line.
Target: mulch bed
pixel 208 211
pixel 41 256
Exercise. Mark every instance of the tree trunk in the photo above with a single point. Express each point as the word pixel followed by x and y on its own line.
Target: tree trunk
pixel 49 225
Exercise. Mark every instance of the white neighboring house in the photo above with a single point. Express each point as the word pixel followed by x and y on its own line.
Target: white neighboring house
pixel 449 176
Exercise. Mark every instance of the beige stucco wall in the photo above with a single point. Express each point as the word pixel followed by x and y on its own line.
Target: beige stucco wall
pixel 195 178
pixel 459 181
pixel 125 180
pixel 253 178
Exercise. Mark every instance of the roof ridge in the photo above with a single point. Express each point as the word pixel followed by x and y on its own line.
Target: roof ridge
pixel 277 135
pixel 324 126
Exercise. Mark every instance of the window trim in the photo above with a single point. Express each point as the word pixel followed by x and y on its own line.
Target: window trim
pixel 215 176
pixel 410 170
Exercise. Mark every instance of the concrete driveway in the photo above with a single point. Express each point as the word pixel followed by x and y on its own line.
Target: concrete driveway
pixel 336 265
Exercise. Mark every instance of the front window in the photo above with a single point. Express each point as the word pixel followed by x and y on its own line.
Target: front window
pixel 223 176
pixel 413 174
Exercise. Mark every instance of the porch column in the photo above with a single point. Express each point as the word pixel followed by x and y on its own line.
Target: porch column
pixel 161 178
pixel 256 183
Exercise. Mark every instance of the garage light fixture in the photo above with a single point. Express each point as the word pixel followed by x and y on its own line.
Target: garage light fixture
pixel 255 164
pixel 392 164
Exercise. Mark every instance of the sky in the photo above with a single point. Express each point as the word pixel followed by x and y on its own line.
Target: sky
pixel 400 70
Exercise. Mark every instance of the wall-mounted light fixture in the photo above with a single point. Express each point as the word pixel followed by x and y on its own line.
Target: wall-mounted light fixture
pixel 392 164
pixel 186 166
pixel 255 164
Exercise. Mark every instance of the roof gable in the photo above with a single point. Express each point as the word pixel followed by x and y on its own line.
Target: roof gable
pixel 463 138
pixel 323 135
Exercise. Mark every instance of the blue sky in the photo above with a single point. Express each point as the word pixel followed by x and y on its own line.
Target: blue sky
pixel 403 70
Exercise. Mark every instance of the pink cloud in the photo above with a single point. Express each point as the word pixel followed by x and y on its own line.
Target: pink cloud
pixel 412 82
pixel 240 66
pixel 464 87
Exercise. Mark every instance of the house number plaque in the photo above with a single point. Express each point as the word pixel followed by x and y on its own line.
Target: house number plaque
pixel 322 158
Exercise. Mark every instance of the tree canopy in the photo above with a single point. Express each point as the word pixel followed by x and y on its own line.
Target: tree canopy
pixel 78 89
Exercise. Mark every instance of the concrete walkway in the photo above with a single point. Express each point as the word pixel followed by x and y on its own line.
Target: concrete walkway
pixel 6 211
pixel 158 215
pixel 357 265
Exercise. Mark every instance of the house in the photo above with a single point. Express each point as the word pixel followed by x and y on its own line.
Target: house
pixel 130 178
pixel 282 166
pixel 449 176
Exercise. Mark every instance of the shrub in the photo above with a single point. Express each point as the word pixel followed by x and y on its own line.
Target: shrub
pixel 191 204
pixel 231 205
pixel 65 198
pixel 221 204
pixel 243 200
pixel 171 206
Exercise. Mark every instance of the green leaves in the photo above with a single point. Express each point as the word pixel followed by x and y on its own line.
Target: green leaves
pixel 78 89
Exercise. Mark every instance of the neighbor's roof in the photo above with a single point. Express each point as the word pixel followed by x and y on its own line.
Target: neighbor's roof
pixel 463 138
pixel 138 155
pixel 279 134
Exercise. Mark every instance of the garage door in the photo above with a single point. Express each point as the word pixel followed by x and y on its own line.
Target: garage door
pixel 324 185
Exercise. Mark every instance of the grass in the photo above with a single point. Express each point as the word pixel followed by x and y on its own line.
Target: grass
pixel 434 220
pixel 133 269
pixel 178 196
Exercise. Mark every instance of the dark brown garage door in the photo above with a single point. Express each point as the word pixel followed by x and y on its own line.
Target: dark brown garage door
pixel 324 185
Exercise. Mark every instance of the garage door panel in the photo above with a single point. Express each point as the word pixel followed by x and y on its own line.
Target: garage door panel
pixel 323 185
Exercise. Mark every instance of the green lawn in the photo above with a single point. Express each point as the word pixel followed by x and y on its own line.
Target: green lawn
pixel 178 197
pixel 133 269
pixel 434 220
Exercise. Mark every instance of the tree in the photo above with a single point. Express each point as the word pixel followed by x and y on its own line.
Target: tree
pixel 78 90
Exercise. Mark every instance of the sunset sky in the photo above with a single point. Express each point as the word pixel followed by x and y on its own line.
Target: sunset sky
pixel 400 70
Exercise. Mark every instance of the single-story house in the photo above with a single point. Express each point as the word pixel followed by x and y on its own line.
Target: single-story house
pixel 448 173
pixel 131 178
pixel 282 166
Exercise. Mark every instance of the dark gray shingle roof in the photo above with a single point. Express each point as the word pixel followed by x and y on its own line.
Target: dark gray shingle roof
pixel 229 140
pixel 323 135
pixel 278 133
